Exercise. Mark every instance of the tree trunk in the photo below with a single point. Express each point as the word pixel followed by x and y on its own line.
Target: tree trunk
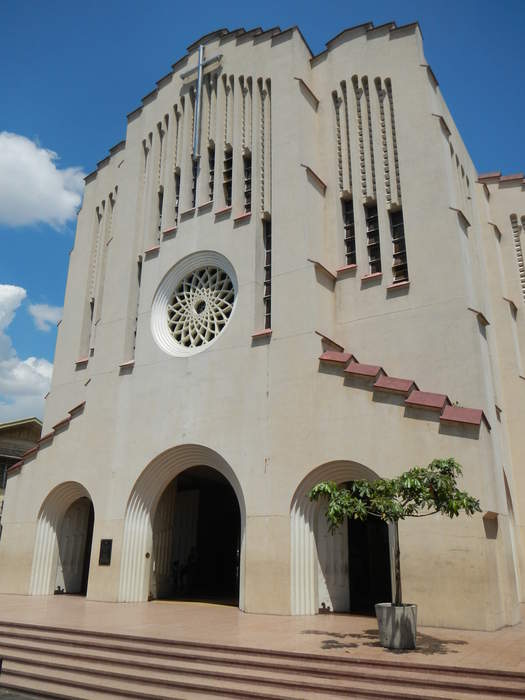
pixel 398 598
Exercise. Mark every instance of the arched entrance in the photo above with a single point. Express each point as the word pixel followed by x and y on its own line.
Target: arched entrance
pixel 345 572
pixel 196 539
pixel 148 512
pixel 74 548
pixel 63 542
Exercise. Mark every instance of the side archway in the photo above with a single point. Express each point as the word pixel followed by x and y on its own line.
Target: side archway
pixel 304 517
pixel 46 550
pixel 137 546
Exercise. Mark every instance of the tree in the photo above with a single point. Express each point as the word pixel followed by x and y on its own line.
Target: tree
pixel 417 493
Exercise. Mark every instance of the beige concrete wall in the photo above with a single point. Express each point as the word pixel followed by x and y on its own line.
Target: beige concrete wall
pixel 267 408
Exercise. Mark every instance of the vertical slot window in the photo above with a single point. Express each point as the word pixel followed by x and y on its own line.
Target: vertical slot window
pixel 159 212
pixel 372 239
pixel 349 231
pixel 399 259
pixel 139 280
pixel 211 168
pixel 177 196
pixel 267 298
pixel 194 173
pixel 227 173
pixel 247 163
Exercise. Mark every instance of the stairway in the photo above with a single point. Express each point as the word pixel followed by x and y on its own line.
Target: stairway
pixel 67 663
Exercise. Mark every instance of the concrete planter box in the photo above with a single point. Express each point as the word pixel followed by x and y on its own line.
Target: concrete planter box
pixel 397 625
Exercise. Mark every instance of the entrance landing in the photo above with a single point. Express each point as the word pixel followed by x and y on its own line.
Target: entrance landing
pixel 341 635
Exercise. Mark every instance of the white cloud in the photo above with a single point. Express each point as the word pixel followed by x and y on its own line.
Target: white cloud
pixel 23 383
pixel 45 316
pixel 32 189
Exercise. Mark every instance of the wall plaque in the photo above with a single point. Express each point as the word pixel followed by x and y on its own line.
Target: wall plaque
pixel 104 558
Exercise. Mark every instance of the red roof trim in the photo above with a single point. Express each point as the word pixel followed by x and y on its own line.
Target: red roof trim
pixel 77 408
pixel 363 370
pixel 329 341
pixel 426 399
pixel 336 358
pixel 395 385
pixel 62 423
pixel 265 332
pixel 46 437
pixel 457 414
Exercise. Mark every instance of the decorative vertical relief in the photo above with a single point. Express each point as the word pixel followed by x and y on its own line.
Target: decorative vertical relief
pixel 262 141
pixel 516 231
pixel 162 130
pixel 362 165
pixel 267 295
pixel 388 86
pixel 107 236
pixel 268 147
pixel 179 133
pixel 371 189
pixel 337 108
pixel 347 135
pixel 381 94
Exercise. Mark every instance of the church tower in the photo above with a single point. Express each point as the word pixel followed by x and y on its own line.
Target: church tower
pixel 288 271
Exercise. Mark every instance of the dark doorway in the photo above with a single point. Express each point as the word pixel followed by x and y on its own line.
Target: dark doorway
pixel 369 565
pixel 74 548
pixel 202 531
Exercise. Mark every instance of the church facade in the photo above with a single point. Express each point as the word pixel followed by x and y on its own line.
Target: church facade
pixel 289 271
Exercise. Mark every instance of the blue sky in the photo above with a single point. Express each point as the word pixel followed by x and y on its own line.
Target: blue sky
pixel 71 71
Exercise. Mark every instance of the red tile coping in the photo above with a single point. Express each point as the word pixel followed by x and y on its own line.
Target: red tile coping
pixel 396 385
pixel 320 266
pixel 426 399
pixel 363 370
pixel 205 205
pixel 330 341
pixel 82 360
pixel 494 175
pixel 442 121
pixel 314 175
pixel 188 211
pixel 399 285
pixel 457 414
pixel 30 452
pixel 128 363
pixel 242 217
pixel 48 436
pixel 265 332
pixel 62 423
pixel 16 466
pixel 498 177
pixel 345 268
pixel 153 249
pixel 335 358
pixel 510 178
pixel 371 276
pixel 222 211
pixel 77 408
pixel 169 231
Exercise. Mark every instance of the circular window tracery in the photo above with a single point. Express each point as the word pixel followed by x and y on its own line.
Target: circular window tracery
pixel 194 303
pixel 200 307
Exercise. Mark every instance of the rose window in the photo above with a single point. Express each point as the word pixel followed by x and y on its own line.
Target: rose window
pixel 194 303
pixel 200 306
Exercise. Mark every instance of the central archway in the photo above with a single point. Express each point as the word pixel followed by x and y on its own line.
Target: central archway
pixel 137 567
pixel 196 539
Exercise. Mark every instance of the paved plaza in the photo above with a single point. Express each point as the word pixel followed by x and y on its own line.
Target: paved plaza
pixel 220 624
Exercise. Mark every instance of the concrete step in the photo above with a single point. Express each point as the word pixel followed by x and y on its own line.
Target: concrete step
pixel 74 658
pixel 90 672
pixel 266 672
